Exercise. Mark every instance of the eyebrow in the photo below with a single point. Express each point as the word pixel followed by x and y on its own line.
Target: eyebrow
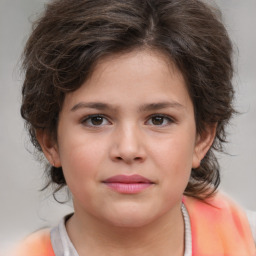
pixel 143 108
pixel 160 105
pixel 94 105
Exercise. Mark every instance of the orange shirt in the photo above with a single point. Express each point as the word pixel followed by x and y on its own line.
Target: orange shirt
pixel 219 228
pixel 37 244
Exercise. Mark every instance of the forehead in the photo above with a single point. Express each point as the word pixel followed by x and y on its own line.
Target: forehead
pixel 137 61
pixel 134 77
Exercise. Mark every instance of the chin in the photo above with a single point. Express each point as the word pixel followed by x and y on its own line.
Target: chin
pixel 130 217
pixel 130 222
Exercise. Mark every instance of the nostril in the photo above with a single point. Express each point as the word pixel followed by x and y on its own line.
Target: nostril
pixel 119 158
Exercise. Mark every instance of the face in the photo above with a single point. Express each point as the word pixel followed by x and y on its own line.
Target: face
pixel 127 140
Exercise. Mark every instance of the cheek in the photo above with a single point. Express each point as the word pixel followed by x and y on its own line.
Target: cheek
pixel 173 159
pixel 80 170
pixel 175 154
pixel 174 162
pixel 80 159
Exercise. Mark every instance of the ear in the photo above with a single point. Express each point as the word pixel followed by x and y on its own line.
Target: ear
pixel 49 147
pixel 203 144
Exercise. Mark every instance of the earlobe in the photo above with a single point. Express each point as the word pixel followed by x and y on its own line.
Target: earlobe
pixel 203 143
pixel 49 147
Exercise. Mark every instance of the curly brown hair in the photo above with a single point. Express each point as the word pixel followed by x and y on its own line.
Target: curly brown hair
pixel 73 35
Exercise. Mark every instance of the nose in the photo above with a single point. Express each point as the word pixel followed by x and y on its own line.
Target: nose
pixel 128 145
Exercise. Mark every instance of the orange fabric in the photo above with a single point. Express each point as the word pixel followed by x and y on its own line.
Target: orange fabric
pixel 37 244
pixel 219 228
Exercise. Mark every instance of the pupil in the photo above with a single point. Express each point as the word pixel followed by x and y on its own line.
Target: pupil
pixel 158 120
pixel 97 120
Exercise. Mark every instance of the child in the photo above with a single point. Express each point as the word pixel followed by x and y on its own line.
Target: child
pixel 127 100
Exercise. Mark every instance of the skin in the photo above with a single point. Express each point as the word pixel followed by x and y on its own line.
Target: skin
pixel 147 127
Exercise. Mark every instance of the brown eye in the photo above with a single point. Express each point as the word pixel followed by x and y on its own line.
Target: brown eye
pixel 157 120
pixel 95 120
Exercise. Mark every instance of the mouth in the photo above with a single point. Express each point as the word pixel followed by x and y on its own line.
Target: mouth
pixel 132 184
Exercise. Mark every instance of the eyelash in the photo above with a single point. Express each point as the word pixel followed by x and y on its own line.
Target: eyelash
pixel 164 117
pixel 169 119
pixel 90 117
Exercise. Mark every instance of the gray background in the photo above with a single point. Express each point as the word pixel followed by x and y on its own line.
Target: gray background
pixel 25 209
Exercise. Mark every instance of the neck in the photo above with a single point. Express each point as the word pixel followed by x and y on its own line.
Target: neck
pixel 90 236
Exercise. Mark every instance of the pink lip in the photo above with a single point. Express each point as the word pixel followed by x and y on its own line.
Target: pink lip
pixel 128 184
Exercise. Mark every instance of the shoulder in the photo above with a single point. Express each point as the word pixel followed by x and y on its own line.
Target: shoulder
pixel 36 244
pixel 251 215
pixel 219 224
pixel 219 208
